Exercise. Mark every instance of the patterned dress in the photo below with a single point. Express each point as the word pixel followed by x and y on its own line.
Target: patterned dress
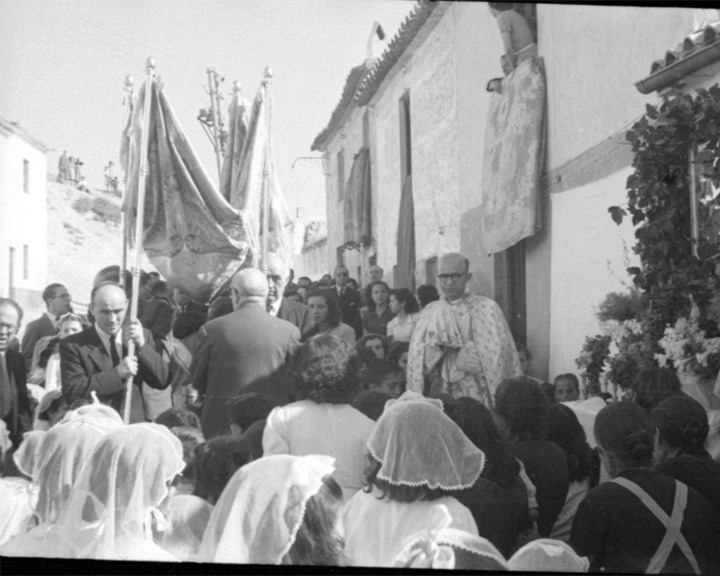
pixel 469 342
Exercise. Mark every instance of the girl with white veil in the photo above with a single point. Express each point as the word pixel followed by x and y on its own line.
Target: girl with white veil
pixel 280 509
pixel 55 466
pixel 110 512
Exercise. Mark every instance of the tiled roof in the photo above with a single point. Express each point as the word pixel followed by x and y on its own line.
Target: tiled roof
pixel 693 45
pixel 362 83
pixel 396 48
pixel 351 85
pixel 689 45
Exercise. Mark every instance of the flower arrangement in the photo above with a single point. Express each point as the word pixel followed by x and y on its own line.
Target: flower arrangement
pixel 591 361
pixel 686 346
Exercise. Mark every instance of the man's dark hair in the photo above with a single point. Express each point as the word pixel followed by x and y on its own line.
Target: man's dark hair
pixel 161 288
pixel 50 290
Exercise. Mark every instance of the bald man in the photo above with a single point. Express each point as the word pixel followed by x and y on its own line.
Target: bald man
pixel 463 338
pixel 279 274
pixel 95 360
pixel 241 352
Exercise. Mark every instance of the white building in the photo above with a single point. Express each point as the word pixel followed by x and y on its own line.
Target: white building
pixel 23 217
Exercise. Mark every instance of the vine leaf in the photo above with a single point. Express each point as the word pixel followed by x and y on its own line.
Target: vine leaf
pixel 617 214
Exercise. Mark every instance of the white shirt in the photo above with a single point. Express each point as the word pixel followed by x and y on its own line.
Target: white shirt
pixel 275 307
pixel 53 319
pixel 336 430
pixel 375 529
pixel 105 337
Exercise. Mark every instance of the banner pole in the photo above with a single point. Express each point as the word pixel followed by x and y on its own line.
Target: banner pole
pixel 139 220
pixel 129 89
pixel 267 79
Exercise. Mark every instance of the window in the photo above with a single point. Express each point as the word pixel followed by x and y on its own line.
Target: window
pixel 26 176
pixel 11 273
pixel 341 175
pixel 26 261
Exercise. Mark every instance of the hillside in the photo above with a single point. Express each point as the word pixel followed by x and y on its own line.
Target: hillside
pixel 84 236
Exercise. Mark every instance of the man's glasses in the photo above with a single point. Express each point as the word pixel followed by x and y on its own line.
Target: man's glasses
pixel 445 278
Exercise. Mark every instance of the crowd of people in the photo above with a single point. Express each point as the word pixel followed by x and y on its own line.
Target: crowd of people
pixel 70 170
pixel 326 423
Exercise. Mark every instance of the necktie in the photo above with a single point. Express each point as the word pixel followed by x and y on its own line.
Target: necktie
pixel 6 390
pixel 114 353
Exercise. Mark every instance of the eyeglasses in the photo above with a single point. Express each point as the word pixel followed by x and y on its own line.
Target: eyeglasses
pixel 444 278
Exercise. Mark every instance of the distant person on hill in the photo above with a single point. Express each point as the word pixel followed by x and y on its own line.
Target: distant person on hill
pixel 77 170
pixel 63 168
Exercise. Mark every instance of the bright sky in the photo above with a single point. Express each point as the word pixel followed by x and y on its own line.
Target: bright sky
pixel 63 64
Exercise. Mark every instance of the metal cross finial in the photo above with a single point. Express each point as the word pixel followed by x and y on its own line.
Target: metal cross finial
pixel 150 65
pixel 268 73
pixel 237 88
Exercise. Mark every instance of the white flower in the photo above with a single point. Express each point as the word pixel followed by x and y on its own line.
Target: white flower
pixel 662 360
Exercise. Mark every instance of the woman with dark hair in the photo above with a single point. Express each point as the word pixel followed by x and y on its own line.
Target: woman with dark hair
pixel 642 521
pixel 680 426
pixel 379 345
pixel 215 462
pixel 652 385
pixel 398 354
pixel 524 409
pixel 427 293
pixel 278 510
pixel 418 457
pixel 379 313
pixel 403 304
pixel 323 378
pixel 325 311
pixel 499 500
pixel 567 432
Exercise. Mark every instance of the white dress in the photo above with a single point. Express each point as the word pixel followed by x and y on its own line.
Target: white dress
pixel 18 498
pixel 337 430
pixel 375 528
pixel 403 332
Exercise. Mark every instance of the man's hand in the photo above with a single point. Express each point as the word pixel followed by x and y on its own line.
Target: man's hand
pixel 128 367
pixel 134 331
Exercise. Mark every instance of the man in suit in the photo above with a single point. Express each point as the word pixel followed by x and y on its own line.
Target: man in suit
pixel 95 359
pixel 241 352
pixel 278 275
pixel 350 301
pixel 57 302
pixel 15 406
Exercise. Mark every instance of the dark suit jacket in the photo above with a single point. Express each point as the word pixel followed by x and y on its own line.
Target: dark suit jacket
pixel 85 365
pixel 189 320
pixel 18 376
pixel 242 352
pixel 35 330
pixel 296 313
pixel 350 304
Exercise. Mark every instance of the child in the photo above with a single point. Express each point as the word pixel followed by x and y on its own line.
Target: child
pixel 417 458
pixel 517 37
pixel 384 376
pixel 567 388
pixel 375 342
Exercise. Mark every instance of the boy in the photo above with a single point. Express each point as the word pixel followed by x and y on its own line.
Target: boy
pixel 386 377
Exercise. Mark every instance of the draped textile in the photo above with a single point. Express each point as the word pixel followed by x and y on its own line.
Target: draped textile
pixel 237 131
pixel 458 336
pixel 513 158
pixel 192 235
pixel 357 201
pixel 405 271
pixel 257 177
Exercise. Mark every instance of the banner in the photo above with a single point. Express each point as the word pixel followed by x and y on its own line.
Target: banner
pixel 191 234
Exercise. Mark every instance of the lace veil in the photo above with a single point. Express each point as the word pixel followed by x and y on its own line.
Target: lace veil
pixel 440 546
pixel 261 509
pixel 546 555
pixel 417 444
pixel 64 450
pixel 111 508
